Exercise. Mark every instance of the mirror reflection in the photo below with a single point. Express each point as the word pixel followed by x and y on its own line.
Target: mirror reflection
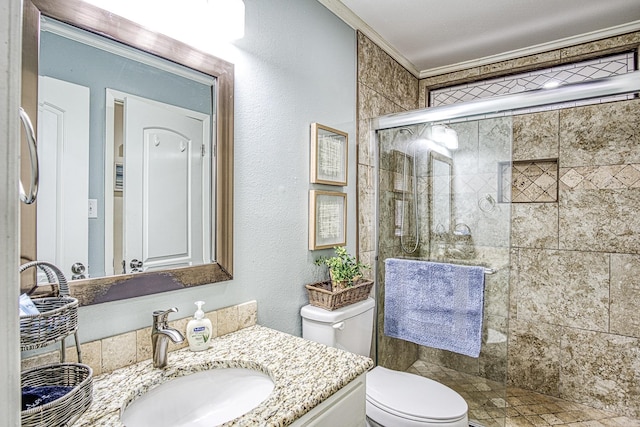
pixel 125 153
pixel 136 135
pixel 441 194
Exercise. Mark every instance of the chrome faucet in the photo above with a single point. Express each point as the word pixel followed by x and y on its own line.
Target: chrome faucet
pixel 160 334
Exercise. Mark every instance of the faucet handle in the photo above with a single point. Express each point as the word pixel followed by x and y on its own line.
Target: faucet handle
pixel 160 316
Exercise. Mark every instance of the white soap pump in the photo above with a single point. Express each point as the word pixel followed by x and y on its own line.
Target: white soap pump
pixel 199 330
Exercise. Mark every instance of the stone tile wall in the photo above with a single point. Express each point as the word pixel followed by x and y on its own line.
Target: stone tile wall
pixel 574 327
pixel 109 354
pixel 384 87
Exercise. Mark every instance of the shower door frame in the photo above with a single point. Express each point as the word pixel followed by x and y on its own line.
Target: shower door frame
pixel 596 88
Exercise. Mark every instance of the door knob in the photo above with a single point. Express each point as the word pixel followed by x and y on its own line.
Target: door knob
pixel 78 268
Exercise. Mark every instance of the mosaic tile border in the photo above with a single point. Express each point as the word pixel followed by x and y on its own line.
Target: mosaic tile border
pixel 529 181
pixel 600 177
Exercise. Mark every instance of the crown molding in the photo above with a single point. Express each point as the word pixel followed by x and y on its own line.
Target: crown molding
pixel 534 50
pixel 355 22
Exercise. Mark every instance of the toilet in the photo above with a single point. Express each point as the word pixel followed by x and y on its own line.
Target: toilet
pixel 394 399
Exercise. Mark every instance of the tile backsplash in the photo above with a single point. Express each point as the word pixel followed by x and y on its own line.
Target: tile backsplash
pixel 108 354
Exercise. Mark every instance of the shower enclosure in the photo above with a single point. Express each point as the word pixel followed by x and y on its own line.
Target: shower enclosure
pixel 443 193
pixel 440 201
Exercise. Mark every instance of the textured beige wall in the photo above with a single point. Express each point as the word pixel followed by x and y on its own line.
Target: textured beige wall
pixel 574 327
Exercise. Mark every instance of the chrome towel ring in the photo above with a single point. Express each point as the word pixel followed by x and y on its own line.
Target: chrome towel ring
pixel 29 198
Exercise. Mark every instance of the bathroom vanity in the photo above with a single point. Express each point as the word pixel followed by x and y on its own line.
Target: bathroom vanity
pixel 314 385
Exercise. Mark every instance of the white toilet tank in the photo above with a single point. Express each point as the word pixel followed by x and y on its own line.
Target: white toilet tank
pixel 349 328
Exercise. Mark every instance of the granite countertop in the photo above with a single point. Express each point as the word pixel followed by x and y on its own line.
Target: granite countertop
pixel 305 373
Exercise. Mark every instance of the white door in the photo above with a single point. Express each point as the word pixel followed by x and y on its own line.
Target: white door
pixel 63 152
pixel 164 185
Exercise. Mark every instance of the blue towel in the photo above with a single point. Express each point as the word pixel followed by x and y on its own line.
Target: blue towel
pixel 434 304
pixel 41 395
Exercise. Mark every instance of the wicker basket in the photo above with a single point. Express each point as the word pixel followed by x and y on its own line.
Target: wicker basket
pixel 65 410
pixel 58 315
pixel 321 295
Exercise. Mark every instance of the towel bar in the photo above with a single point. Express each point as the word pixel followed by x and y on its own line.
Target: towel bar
pixel 487 270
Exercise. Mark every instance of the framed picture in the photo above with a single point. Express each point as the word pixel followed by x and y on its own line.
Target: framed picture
pixel 327 219
pixel 328 155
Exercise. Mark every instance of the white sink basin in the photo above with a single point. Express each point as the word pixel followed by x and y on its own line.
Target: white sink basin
pixel 206 398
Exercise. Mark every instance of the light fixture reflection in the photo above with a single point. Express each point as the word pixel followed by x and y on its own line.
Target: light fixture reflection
pixel 198 23
pixel 445 135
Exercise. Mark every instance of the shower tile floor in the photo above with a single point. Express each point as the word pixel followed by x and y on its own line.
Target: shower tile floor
pixel 491 407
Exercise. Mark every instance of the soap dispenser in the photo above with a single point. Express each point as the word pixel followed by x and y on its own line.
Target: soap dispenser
pixel 199 330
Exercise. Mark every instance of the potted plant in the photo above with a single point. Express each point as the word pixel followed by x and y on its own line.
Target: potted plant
pixel 344 269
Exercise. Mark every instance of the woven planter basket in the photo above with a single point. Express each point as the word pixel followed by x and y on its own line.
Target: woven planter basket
pixel 58 315
pixel 321 295
pixel 65 410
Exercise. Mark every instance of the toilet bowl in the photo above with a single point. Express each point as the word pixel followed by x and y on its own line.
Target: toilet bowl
pixel 394 399
pixel 400 399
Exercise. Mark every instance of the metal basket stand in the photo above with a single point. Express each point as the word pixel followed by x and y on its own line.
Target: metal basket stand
pixel 58 316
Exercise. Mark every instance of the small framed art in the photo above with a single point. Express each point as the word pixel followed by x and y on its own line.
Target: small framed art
pixel 327 219
pixel 328 155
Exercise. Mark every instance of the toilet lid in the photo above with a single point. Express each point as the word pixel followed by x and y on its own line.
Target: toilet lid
pixel 412 396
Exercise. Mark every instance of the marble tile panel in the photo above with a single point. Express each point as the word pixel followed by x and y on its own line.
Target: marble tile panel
pixel 589 50
pixel 492 363
pixel 143 344
pixel 514 265
pixel 534 356
pixel 625 295
pixel 396 354
pixel 465 158
pixel 91 353
pixel 373 104
pixel 535 136
pixel 447 359
pixel 118 351
pixel 227 320
pixel 564 288
pixel 181 325
pixel 494 138
pixel 599 220
pixel 601 134
pixel 40 359
pixel 601 370
pixel 496 293
pixel 247 315
pixel 213 317
pixel 366 141
pixel 490 70
pixel 451 79
pixel 534 225
pixel 536 61
pixel 380 72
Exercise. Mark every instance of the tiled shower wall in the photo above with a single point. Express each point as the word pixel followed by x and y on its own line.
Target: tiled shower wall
pixel 575 292
pixel 574 329
pixel 384 87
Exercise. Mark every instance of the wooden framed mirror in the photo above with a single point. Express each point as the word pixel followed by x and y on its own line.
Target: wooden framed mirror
pixel 216 259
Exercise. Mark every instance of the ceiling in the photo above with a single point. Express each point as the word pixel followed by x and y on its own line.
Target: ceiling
pixel 430 37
